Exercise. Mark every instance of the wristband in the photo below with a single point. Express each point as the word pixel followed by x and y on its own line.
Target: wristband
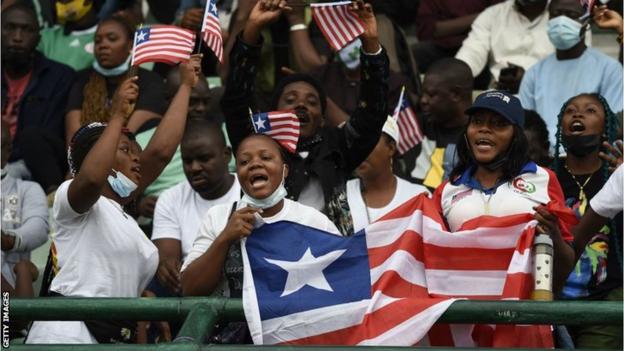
pixel 296 27
pixel 373 53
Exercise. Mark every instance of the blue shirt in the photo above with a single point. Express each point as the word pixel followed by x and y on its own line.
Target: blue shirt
pixel 551 82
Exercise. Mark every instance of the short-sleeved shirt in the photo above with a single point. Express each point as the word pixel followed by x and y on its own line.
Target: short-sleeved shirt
pixel 101 253
pixel 363 215
pixel 180 210
pixel 151 91
pixel 608 201
pixel 551 82
pixel 74 49
pixel 215 221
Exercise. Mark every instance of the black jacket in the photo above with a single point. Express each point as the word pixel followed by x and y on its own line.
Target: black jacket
pixel 43 103
pixel 334 153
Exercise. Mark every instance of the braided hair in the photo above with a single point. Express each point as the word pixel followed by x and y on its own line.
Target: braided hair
pixel 95 102
pixel 610 132
pixel 82 142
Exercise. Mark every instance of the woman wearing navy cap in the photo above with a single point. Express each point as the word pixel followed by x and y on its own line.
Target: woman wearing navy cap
pixel 494 177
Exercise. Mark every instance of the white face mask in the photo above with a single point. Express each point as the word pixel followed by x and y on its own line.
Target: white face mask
pixel 112 72
pixel 278 195
pixel 121 185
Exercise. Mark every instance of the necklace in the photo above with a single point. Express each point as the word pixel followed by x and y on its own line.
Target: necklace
pixel 581 196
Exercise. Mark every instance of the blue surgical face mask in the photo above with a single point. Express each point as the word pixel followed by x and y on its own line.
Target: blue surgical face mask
pixel 278 195
pixel 121 184
pixel 112 72
pixel 564 32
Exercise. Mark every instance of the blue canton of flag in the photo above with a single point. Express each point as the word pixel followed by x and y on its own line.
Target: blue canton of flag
pixel 143 35
pixel 261 122
pixel 281 256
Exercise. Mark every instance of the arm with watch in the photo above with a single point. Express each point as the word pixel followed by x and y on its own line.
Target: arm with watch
pixel 304 53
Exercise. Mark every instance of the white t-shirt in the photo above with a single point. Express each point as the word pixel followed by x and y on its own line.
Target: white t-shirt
pixel 101 253
pixel 217 217
pixel 404 191
pixel 608 201
pixel 179 212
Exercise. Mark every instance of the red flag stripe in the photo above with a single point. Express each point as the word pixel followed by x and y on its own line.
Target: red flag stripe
pixel 338 24
pixel 374 324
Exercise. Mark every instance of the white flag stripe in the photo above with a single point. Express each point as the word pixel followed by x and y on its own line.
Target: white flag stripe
pixel 489 238
pixel 521 262
pixel 402 262
pixel 411 330
pixel 333 18
pixel 465 282
pixel 165 54
pixel 284 137
pixel 292 130
pixel 172 31
pixel 386 232
pixel 323 24
pixel 171 48
pixel 321 320
pixel 167 39
pixel 414 121
pixel 352 24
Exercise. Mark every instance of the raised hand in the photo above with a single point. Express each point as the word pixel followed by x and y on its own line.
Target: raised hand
pixel 263 13
pixel 125 98
pixel 192 18
pixel 607 19
pixel 189 71
pixel 370 37
pixel 613 156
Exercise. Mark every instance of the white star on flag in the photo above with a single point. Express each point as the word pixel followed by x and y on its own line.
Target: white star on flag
pixel 260 123
pixel 141 35
pixel 308 270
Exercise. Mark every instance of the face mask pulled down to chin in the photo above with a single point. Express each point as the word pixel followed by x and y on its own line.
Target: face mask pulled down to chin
pixel 581 145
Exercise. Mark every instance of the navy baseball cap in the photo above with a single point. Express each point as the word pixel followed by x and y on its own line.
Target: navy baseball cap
pixel 500 102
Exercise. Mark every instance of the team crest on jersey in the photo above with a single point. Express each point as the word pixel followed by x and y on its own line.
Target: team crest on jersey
pixel 523 186
pixel 460 196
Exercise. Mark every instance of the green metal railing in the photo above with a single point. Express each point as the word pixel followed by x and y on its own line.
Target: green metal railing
pixel 201 314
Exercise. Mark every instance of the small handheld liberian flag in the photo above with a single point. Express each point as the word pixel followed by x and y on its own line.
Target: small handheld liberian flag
pixel 339 25
pixel 211 30
pixel 160 43
pixel 410 132
pixel 282 126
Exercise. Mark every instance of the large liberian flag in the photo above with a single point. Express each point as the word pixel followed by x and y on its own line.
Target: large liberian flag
pixel 388 284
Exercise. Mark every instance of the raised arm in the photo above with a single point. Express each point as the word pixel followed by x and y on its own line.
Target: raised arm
pixel 163 144
pixel 88 184
pixel 239 89
pixel 361 133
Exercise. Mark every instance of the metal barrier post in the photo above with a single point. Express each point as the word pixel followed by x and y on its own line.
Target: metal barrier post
pixel 199 322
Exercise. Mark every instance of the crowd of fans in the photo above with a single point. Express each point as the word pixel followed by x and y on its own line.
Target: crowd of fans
pixel 163 172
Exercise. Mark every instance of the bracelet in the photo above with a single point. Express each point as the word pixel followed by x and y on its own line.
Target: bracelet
pixel 296 27
pixel 373 53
